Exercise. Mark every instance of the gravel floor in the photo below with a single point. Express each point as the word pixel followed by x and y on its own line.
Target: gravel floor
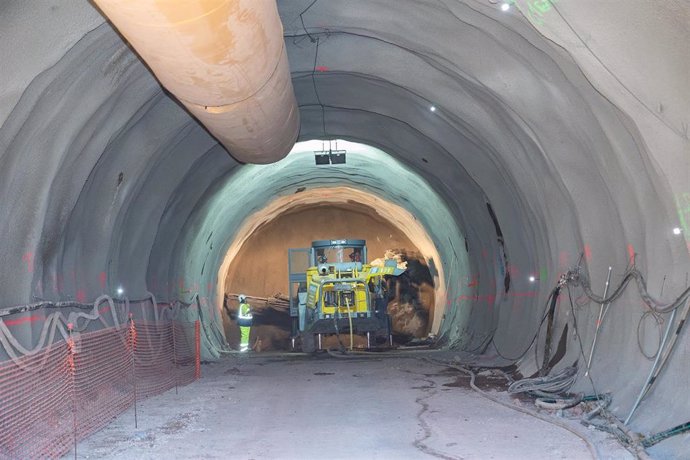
pixel 267 406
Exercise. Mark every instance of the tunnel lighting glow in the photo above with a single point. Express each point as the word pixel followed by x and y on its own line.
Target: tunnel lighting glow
pixel 677 231
pixel 120 291
pixel 532 279
pixel 505 7
pixel 432 108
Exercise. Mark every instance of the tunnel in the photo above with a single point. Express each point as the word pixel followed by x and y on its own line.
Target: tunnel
pixel 532 156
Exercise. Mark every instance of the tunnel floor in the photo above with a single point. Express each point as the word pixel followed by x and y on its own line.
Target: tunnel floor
pixel 268 406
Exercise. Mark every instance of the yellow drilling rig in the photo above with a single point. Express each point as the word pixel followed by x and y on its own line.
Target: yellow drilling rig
pixel 333 290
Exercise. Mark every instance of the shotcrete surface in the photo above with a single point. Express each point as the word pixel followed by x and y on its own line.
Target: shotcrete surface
pixel 571 123
pixel 364 407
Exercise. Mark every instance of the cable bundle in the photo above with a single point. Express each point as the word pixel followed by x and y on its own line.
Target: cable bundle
pixel 553 384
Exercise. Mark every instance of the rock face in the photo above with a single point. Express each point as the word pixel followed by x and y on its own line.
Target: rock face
pixel 571 121
pixel 261 267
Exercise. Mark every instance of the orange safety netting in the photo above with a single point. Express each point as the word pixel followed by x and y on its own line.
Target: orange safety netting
pixel 63 393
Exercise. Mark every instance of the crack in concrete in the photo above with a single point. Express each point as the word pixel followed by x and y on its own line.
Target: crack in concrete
pixel 428 392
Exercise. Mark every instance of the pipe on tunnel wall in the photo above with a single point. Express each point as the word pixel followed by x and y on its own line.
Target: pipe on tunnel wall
pixel 225 61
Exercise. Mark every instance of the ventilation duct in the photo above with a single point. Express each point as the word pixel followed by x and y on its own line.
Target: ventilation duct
pixel 225 60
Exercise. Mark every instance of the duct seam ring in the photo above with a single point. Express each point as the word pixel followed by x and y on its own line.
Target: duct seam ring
pixel 225 107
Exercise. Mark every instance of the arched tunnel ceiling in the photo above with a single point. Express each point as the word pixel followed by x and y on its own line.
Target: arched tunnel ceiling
pixel 103 177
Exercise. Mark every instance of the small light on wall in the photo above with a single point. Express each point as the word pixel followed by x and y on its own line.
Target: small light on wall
pixel 505 6
pixel 432 108
pixel 677 231
pixel 120 291
pixel 532 279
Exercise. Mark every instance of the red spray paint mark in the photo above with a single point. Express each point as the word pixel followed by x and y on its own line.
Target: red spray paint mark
pixel 490 298
pixel 588 253
pixel 28 257
pixel 209 286
pixel 28 319
pixel 485 253
pixel 181 284
pixel 105 309
pixel 102 278
pixel 322 68
pixel 81 296
pixel 631 253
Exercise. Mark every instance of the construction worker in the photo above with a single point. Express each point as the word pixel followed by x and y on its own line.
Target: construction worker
pixel 244 320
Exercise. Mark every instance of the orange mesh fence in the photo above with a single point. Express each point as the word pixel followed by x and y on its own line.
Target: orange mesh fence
pixel 71 389
pixel 187 352
pixel 36 406
pixel 165 356
pixel 103 379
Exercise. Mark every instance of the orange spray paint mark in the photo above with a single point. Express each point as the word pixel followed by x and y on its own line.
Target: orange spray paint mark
pixel 588 253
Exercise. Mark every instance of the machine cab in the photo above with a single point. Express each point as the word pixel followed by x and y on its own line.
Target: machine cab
pixel 338 255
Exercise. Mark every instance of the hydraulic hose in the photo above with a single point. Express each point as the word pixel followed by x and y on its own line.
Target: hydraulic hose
pixel 545 367
pixel 577 278
pixel 658 437
pixel 349 317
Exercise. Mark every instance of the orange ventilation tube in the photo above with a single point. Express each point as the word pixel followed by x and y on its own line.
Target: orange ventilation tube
pixel 225 60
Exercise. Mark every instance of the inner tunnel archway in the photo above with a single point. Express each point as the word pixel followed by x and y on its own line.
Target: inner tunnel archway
pixel 400 198
pixel 259 268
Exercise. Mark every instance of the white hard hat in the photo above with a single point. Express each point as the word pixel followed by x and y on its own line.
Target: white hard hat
pixel 242 297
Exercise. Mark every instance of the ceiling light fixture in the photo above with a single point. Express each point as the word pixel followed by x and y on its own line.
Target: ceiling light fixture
pixel 677 231
pixel 330 156
pixel 505 6
pixel 432 108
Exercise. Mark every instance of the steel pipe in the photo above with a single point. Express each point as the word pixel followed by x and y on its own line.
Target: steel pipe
pixel 225 61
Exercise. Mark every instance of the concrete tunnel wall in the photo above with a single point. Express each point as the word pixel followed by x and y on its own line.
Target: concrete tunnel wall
pixel 572 123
